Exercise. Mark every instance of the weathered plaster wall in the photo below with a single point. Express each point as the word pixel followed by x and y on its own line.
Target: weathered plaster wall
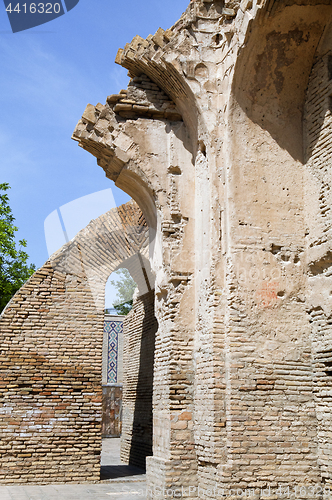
pixel 161 173
pixel 235 402
pixel 273 423
pixel 223 140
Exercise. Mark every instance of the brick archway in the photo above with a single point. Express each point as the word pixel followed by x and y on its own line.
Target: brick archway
pixel 51 354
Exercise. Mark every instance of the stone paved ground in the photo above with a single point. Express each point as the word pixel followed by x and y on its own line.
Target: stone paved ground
pixel 119 482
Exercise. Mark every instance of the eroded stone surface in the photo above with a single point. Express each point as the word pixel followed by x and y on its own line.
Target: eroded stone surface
pixel 223 138
pixel 238 193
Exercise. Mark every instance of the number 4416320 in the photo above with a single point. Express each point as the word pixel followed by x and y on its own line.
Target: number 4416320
pixel 34 8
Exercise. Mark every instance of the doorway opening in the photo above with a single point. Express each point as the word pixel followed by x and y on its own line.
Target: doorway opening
pixel 128 359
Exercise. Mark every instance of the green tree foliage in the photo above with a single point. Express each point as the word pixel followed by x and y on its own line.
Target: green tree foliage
pixel 14 270
pixel 125 287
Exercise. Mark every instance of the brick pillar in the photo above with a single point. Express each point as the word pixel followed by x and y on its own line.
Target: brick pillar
pixel 173 465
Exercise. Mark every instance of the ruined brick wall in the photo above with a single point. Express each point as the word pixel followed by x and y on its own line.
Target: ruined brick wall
pixel 50 382
pixel 140 327
pixel 223 138
pixel 318 196
pixel 143 98
pixel 51 336
pixel 226 189
pixel 269 401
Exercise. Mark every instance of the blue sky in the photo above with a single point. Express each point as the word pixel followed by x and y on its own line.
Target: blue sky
pixel 48 76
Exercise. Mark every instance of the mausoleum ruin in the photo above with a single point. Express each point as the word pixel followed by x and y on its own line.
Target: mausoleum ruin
pixel 223 139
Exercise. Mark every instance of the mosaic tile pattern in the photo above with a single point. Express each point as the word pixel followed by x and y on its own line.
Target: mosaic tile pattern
pixel 113 329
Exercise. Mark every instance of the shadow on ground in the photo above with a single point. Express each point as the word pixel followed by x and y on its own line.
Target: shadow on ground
pixel 119 471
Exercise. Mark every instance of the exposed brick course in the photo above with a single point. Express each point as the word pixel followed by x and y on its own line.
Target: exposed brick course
pixel 235 186
pixel 140 327
pixel 238 194
pixel 51 355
